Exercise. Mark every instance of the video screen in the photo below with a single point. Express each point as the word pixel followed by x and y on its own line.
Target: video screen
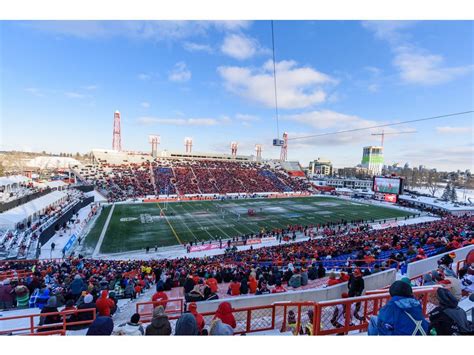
pixel 387 185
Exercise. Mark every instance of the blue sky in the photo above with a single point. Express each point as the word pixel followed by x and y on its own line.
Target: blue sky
pixel 62 81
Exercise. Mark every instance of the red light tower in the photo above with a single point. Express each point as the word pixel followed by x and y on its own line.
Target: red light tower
pixel 233 148
pixel 188 143
pixel 116 138
pixel 284 147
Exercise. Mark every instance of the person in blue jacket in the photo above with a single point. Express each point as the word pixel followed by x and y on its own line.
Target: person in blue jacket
pixel 77 286
pixel 402 315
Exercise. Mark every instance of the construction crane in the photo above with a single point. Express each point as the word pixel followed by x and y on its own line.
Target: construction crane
pixel 383 134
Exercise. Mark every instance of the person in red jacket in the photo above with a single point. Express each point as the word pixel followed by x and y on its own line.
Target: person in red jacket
pixel 104 304
pixel 332 280
pixel 160 297
pixel 199 318
pixel 234 288
pixel 252 285
pixel 224 313
pixel 212 283
pixel 278 288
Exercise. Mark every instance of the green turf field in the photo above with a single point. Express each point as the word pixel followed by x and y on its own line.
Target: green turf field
pixel 136 226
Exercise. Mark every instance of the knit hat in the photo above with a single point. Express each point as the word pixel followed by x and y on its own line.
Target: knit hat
pixel 192 307
pixel 400 288
pixel 135 318
pixel 158 312
pixel 52 302
pixel 186 325
pixel 88 298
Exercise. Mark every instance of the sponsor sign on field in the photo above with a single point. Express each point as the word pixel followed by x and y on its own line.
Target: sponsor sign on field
pixel 195 248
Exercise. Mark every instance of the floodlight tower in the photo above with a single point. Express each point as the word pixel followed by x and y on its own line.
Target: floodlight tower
pixel 258 150
pixel 154 140
pixel 233 148
pixel 188 143
pixel 117 138
pixel 284 147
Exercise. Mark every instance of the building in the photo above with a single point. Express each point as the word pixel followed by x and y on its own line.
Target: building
pixel 320 167
pixel 372 159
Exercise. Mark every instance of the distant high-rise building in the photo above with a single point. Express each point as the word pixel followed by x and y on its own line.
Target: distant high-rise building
pixel 320 167
pixel 372 159
pixel 117 139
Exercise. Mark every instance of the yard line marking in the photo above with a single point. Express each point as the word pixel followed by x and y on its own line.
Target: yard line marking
pixel 166 218
pixel 102 234
pixel 185 224
pixel 194 218
pixel 217 225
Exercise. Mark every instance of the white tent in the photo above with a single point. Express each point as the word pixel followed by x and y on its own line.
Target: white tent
pixel 12 180
pixel 10 218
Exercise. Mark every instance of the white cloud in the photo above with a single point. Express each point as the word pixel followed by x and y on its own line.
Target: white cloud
pixel 136 30
pixel 180 73
pixel 147 120
pixel 246 118
pixel 373 87
pixel 74 95
pixel 90 87
pixel 453 130
pixel 197 47
pixel 297 87
pixel 145 104
pixel 239 46
pixel 144 76
pixel 330 119
pixel 415 65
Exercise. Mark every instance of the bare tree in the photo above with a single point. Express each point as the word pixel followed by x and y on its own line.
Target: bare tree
pixel 432 182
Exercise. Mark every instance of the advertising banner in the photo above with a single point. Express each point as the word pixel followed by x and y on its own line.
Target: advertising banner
pixel 204 247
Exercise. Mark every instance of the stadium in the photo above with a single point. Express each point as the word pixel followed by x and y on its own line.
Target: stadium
pixel 173 242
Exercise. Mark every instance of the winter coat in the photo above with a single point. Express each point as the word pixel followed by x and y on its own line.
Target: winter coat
pixel 41 298
pixel 22 296
pixel 395 318
pixel 77 286
pixel 219 328
pixel 6 294
pixel 83 316
pixel 356 286
pixel 244 288
pixel 304 278
pixel 224 313
pixel 160 296
pixel 101 326
pixel 160 325
pixel 104 304
pixel 129 329
pixel 199 318
pixel 188 285
pixel 186 325
pixel 295 281
pixel 448 318
pixel 212 283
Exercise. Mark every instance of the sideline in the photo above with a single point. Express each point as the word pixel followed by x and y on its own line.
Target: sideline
pixel 102 234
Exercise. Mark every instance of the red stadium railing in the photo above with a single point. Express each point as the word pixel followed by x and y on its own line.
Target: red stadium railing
pixel 48 329
pixel 11 274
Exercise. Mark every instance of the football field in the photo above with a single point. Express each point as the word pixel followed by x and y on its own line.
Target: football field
pixel 136 226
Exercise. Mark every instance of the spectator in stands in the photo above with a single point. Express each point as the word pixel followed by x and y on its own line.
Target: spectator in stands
pixel 402 315
pixel 101 326
pixel 50 307
pixel 278 288
pixel 321 271
pixel 6 295
pixel 304 277
pixel 356 284
pixel 295 280
pixel 234 288
pixel 448 318
pixel 22 296
pixel 220 328
pixel 160 325
pixel 244 287
pixel 186 325
pixel 133 327
pixel 77 286
pixel 212 283
pixel 332 280
pixel 199 318
pixel 263 289
pixel 104 304
pixel 160 298
pixel 188 284
pixel 224 313
pixel 88 303
pixel 252 284
pixel 71 311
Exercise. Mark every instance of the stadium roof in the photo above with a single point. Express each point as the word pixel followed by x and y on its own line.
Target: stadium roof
pixel 11 218
pixel 52 162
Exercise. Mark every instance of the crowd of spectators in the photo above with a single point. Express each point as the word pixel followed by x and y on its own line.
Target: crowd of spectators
pixel 192 177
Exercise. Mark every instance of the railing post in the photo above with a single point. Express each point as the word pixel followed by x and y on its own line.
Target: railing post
pixel 249 318
pixel 273 316
pixel 317 319
pixel 32 324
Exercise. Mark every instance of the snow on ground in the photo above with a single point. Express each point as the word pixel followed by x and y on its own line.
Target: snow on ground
pixel 61 237
pixel 463 194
